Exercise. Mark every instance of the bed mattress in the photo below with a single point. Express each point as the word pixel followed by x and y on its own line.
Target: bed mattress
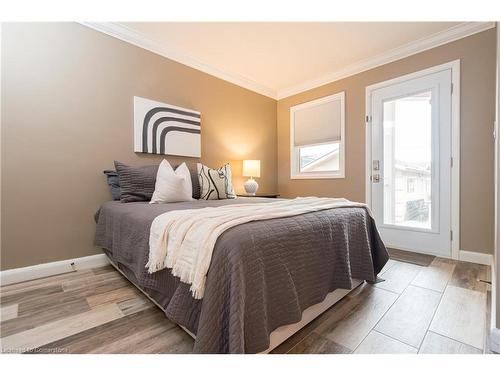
pixel 263 274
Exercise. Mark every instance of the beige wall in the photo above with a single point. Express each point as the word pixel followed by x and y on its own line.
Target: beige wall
pixel 67 113
pixel 478 60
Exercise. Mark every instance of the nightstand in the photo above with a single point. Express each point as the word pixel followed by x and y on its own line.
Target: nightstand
pixel 259 195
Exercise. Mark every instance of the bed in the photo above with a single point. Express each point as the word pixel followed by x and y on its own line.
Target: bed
pixel 266 280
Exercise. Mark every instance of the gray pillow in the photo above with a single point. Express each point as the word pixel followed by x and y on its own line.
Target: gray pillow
pixel 113 183
pixel 194 180
pixel 137 184
pixel 140 182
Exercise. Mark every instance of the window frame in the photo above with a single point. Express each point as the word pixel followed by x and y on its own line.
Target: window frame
pixel 295 173
pixel 413 185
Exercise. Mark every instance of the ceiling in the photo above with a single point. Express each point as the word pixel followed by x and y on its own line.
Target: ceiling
pixel 281 58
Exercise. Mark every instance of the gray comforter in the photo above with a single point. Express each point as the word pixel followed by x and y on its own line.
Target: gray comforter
pixel 263 274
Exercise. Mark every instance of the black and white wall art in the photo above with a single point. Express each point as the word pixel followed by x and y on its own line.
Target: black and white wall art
pixel 165 129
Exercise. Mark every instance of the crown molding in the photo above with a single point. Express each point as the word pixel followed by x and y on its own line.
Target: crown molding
pixel 131 36
pixel 457 32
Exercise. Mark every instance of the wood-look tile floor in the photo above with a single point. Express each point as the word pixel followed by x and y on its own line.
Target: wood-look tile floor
pixel 424 305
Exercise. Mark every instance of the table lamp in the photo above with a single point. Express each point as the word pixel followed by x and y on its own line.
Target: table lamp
pixel 251 168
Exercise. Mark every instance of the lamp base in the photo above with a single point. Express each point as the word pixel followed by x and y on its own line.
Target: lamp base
pixel 251 186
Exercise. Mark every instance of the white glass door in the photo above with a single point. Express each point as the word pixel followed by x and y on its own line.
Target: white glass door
pixel 411 163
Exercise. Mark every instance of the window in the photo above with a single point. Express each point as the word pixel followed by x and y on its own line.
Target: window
pixel 411 185
pixel 317 138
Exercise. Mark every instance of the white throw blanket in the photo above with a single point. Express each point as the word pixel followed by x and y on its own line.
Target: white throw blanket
pixel 184 240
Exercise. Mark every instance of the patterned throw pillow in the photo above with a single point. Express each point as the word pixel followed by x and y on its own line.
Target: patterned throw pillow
pixel 215 183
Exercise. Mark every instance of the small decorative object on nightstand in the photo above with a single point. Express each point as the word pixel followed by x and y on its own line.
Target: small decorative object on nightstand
pixel 251 168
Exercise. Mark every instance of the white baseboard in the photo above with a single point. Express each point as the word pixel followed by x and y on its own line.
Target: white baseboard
pixel 38 271
pixel 494 332
pixel 473 257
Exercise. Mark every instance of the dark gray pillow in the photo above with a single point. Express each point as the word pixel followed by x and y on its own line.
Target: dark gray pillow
pixel 194 180
pixel 148 173
pixel 137 184
pixel 113 183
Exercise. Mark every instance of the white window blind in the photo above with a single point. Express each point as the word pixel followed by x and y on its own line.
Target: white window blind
pixel 317 124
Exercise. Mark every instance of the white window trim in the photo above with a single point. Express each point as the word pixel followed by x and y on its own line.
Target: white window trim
pixel 295 173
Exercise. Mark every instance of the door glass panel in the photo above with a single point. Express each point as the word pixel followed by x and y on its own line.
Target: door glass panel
pixel 407 129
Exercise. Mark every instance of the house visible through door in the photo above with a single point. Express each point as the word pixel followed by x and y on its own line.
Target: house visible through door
pixel 411 161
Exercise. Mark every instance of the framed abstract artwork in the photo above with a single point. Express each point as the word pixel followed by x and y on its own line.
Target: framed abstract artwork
pixel 165 129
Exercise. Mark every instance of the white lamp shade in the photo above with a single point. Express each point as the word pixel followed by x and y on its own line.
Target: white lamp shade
pixel 251 168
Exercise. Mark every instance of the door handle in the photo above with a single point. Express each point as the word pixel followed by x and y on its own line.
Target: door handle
pixel 376 178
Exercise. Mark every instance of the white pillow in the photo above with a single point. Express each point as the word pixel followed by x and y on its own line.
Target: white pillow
pixel 215 183
pixel 172 186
